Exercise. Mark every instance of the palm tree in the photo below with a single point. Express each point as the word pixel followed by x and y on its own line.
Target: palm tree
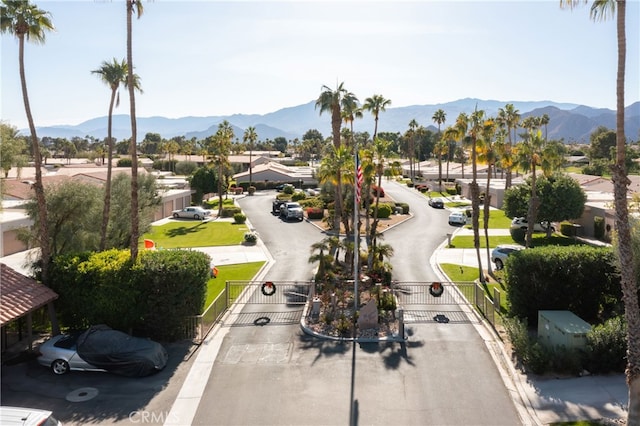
pixel 350 112
pixel 528 157
pixel 338 161
pixel 601 9
pixel 333 101
pixel 440 117
pixel 375 105
pixel 381 150
pixel 510 117
pixel 475 132
pixel 133 6
pixel 487 154
pixel 411 149
pixel 220 151
pixel 26 22
pixel 250 136
pixel 112 74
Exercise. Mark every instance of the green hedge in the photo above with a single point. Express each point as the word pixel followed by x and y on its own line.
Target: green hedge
pixel 151 298
pixel 581 279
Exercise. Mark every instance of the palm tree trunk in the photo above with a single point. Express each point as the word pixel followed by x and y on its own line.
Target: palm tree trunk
pixel 107 187
pixel 38 187
pixel 487 211
pixel 135 230
pixel 625 249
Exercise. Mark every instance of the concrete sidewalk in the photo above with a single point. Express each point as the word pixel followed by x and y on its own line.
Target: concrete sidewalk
pixel 550 399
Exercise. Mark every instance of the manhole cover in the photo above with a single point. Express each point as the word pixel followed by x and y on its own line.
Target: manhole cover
pixel 441 319
pixel 82 394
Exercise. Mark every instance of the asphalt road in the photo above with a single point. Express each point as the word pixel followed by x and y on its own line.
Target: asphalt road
pixel 275 374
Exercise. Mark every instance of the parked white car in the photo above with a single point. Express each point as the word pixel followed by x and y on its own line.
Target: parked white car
pixel 458 218
pixel 522 223
pixel 291 210
pixel 197 213
pixel 500 253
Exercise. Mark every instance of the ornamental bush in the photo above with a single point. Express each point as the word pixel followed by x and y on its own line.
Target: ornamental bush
pixel 607 344
pixel 239 218
pixel 578 278
pixel 315 213
pixel 384 210
pixel 250 237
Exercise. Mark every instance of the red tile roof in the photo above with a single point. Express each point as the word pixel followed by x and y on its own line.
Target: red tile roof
pixel 20 294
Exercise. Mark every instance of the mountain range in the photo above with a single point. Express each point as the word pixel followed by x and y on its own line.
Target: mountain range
pixel 571 123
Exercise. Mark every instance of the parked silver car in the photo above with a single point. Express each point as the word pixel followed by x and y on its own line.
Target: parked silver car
pixel 196 213
pixel 500 253
pixel 291 210
pixel 101 348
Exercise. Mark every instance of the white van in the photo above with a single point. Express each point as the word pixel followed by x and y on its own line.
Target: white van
pixel 21 416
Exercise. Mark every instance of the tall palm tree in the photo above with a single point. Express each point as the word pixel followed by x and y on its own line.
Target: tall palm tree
pixel 220 150
pixel 350 112
pixel 487 154
pixel 528 157
pixel 333 101
pixel 600 10
pixel 440 117
pixel 112 74
pixel 510 117
pixel 133 6
pixel 375 105
pixel 338 161
pixel 381 150
pixel 476 121
pixel 250 137
pixel 25 21
pixel 411 149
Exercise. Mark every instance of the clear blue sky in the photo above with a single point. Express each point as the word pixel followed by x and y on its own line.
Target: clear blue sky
pixel 202 58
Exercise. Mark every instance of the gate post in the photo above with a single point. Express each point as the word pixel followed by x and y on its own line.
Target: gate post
pixel 401 322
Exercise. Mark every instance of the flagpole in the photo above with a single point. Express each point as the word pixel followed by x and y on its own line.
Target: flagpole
pixel 356 231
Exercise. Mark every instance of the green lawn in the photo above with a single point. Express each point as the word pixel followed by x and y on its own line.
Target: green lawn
pixel 539 240
pixel 458 273
pixel 194 233
pixel 189 234
pixel 237 272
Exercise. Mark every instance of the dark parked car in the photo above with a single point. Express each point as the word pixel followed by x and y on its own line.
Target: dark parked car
pixel 101 348
pixel 436 203
pixel 275 206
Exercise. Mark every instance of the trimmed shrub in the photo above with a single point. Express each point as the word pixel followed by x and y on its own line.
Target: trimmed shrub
pixel 251 190
pixel 518 234
pixel 384 210
pixel 607 344
pixel 598 227
pixel 405 207
pixel 124 162
pixel 250 237
pixel 315 213
pixel 578 278
pixel 230 211
pixel 239 218
pixel 298 195
pixel 375 189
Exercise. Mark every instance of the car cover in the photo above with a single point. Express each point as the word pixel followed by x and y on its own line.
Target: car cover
pixel 119 353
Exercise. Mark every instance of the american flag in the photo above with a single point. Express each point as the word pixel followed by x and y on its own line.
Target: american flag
pixel 359 179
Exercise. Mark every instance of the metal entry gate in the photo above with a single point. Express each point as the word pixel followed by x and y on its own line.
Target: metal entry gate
pixel 289 293
pixel 436 301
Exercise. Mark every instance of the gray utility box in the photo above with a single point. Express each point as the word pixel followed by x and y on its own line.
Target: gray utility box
pixel 562 328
